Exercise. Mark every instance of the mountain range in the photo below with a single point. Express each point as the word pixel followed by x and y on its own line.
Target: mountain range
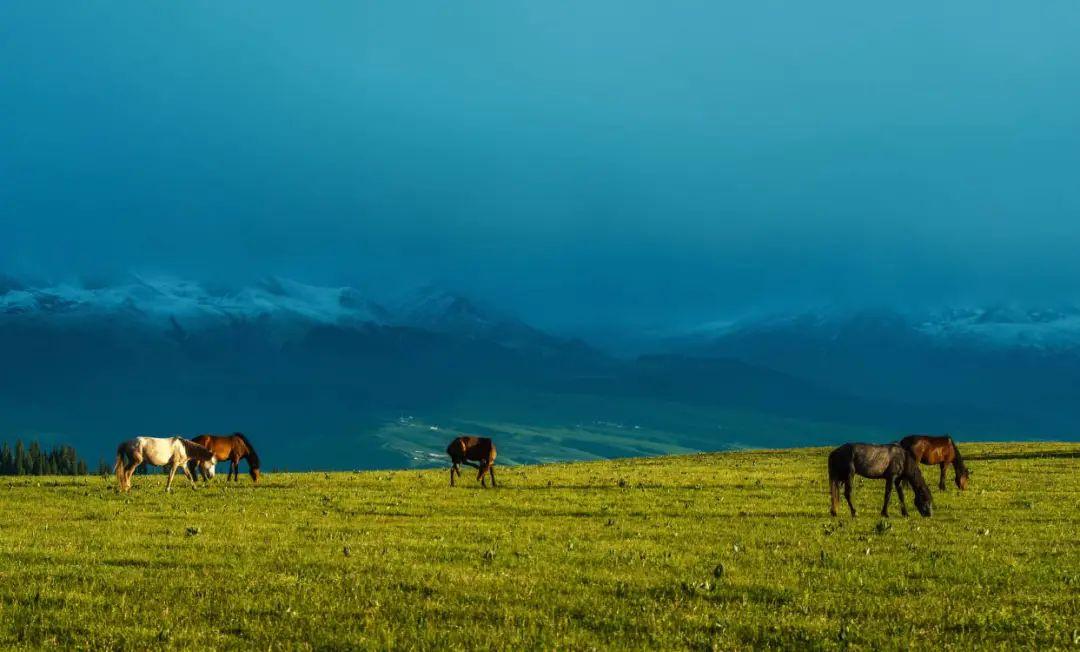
pixel 328 377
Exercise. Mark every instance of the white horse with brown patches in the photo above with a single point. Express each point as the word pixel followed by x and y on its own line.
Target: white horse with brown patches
pixel 171 452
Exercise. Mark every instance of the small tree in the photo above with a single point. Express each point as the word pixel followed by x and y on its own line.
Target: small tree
pixel 37 459
pixel 7 460
pixel 21 465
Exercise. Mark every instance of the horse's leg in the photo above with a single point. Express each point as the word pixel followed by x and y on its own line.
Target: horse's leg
pixel 834 496
pixel 900 494
pixel 234 469
pixel 172 472
pixel 888 494
pixel 480 476
pixel 491 472
pixel 847 494
pixel 129 471
pixel 453 469
pixel 189 476
pixel 136 460
pixel 941 484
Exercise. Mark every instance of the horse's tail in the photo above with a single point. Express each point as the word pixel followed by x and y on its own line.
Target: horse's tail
pixel 118 468
pixel 456 449
pixel 252 456
pixel 840 463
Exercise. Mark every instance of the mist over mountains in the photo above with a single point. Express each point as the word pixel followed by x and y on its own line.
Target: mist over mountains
pixel 330 377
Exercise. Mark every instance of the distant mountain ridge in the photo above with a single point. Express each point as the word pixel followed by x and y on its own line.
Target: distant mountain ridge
pixel 1022 361
pixel 311 368
pixel 1002 326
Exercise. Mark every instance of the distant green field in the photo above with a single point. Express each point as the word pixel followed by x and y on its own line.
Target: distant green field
pixel 731 550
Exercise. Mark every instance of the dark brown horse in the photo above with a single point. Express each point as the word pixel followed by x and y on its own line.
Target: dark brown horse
pixel 938 450
pixel 888 462
pixel 234 447
pixel 477 452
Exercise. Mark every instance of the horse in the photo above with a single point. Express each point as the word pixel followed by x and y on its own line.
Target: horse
pixel 478 449
pixel 889 462
pixel 234 447
pixel 174 452
pixel 938 450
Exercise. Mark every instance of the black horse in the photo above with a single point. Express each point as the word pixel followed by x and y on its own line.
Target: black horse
pixel 888 462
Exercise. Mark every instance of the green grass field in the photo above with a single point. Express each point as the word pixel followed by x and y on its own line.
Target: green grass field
pixel 732 550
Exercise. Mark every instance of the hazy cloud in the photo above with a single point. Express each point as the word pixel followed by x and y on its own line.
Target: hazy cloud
pixel 583 163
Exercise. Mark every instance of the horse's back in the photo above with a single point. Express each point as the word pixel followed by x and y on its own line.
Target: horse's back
pixel 929 449
pixel 868 460
pixel 159 450
pixel 471 448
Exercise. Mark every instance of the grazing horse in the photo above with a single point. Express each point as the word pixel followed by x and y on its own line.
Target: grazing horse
pixel 938 450
pixel 234 447
pixel 173 452
pixel 477 449
pixel 889 462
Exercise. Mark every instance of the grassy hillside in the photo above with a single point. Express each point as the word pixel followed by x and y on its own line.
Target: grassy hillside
pixel 732 550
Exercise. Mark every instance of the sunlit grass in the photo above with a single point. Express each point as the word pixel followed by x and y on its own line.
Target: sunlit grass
pixel 720 550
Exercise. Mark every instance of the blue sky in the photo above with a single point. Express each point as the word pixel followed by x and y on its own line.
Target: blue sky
pixel 584 164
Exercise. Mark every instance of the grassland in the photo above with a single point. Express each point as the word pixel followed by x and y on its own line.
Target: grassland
pixel 732 550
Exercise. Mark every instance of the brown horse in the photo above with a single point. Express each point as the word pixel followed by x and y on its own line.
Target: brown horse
pixel 476 449
pixel 234 447
pixel 938 450
pixel 888 462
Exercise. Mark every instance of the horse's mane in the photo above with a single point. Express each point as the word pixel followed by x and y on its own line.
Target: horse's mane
pixel 196 451
pixel 253 457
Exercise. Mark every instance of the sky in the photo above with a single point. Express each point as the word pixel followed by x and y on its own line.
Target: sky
pixel 585 164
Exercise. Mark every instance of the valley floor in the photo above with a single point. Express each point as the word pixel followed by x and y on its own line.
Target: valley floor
pixel 732 550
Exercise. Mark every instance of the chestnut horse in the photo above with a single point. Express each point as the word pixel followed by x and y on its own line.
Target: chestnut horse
pixel 888 462
pixel 941 451
pixel 234 447
pixel 476 449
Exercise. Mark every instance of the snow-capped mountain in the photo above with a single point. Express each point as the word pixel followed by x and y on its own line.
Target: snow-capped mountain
pixel 280 304
pixel 1021 360
pixel 159 300
pixel 1002 327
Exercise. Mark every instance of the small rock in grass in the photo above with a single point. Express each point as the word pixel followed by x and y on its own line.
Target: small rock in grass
pixel 718 572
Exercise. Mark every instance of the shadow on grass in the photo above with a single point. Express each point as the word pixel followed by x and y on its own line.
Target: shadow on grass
pixel 1025 456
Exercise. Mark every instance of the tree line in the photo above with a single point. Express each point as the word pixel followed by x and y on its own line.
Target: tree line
pixel 35 460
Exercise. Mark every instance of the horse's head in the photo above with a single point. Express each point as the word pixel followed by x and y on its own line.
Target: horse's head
pixel 255 473
pixel 962 472
pixel 209 468
pixel 924 502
